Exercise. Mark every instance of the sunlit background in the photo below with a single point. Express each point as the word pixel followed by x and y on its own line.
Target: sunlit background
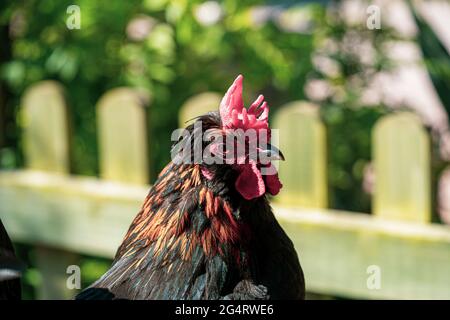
pixel 323 52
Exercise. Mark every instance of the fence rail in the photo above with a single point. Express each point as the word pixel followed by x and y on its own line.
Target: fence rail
pixel 65 215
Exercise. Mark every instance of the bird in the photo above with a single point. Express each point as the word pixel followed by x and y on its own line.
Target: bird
pixel 10 268
pixel 206 229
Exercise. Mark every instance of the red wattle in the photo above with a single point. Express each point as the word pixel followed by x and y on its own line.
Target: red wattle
pixel 250 183
pixel 273 184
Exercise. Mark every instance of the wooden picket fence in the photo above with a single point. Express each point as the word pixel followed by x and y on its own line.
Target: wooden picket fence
pixel 64 215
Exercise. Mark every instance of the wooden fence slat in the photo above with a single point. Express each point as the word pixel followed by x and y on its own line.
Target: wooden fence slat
pixel 402 168
pixel 197 106
pixel 45 124
pixel 302 138
pixel 123 136
pixel 443 196
pixel 46 147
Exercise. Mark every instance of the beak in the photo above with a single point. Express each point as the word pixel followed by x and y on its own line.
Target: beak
pixel 272 153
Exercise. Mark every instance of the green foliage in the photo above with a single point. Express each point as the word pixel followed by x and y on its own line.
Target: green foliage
pixel 349 133
pixel 437 59
pixel 178 58
pixel 347 59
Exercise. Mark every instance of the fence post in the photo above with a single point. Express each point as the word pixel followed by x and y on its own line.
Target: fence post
pixel 46 133
pixel 123 136
pixel 44 115
pixel 197 106
pixel 302 138
pixel 402 168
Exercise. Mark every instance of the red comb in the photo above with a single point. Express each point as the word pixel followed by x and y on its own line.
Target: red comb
pixel 235 116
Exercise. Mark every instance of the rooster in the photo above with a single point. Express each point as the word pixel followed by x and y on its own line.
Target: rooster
pixel 207 231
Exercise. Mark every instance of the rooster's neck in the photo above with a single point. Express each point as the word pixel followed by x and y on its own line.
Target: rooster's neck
pixel 184 212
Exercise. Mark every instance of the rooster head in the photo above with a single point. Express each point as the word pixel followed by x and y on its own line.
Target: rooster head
pixel 238 142
pixel 256 174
